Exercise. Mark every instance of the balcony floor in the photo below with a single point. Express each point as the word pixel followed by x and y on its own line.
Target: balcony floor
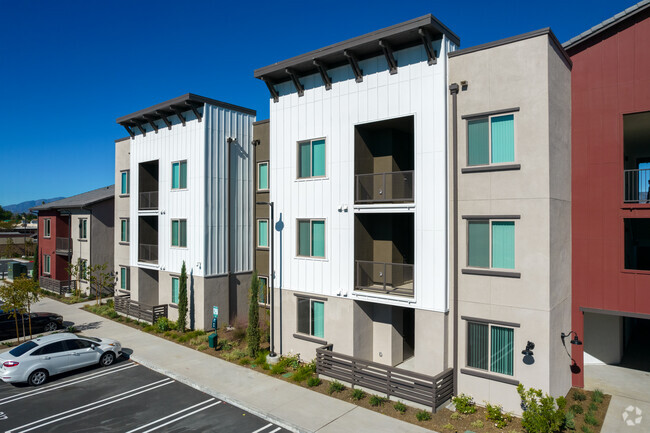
pixel 404 290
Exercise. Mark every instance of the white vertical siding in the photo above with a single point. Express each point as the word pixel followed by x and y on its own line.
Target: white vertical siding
pixel 220 124
pixel 417 89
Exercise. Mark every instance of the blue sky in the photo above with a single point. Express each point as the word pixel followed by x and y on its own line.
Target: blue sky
pixel 68 69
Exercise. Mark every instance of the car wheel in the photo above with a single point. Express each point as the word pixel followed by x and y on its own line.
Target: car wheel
pixel 37 378
pixel 50 326
pixel 107 359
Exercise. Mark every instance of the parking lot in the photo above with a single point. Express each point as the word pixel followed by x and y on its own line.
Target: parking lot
pixel 125 397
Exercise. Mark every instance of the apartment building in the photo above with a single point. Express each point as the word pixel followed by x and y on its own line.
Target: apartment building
pixel 358 177
pixel 75 230
pixel 511 201
pixel 610 91
pixel 261 130
pixel 188 180
pixel 407 232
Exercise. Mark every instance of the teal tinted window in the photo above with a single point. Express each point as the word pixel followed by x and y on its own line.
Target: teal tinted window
pixel 304 160
pixel 183 233
pixel 175 224
pixel 125 187
pixel 263 176
pixel 503 244
pixel 176 173
pixel 318 238
pixel 318 158
pixel 303 316
pixel 304 242
pixel 123 278
pixel 262 293
pixel 318 319
pixel 477 345
pixel 478 245
pixel 503 139
pixel 262 233
pixel 478 144
pixel 501 348
pixel 174 290
pixel 182 183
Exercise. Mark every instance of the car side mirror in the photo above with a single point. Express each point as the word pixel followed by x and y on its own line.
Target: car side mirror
pixel 93 346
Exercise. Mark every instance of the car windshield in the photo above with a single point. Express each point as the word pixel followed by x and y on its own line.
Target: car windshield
pixel 25 347
pixel 95 339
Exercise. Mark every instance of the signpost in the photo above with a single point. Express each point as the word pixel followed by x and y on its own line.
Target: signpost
pixel 213 338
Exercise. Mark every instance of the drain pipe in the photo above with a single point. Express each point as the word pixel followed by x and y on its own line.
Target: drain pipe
pixel 453 90
pixel 228 237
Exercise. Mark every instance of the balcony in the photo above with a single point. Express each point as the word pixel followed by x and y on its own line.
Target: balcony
pixel 637 184
pixel 391 187
pixel 395 279
pixel 148 253
pixel 148 200
pixel 63 246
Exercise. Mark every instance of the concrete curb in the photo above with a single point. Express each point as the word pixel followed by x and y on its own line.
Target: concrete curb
pixel 184 380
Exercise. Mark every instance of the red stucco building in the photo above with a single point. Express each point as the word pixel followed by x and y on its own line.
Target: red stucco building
pixel 610 201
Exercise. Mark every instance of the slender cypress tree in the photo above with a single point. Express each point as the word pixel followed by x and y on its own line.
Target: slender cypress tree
pixel 253 332
pixel 182 299
pixel 35 268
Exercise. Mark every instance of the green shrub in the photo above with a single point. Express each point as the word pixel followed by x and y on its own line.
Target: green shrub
pixel 304 372
pixel 591 419
pixel 495 413
pixel 266 366
pixel 586 429
pixel 455 416
pixel 261 357
pixel 202 347
pixel 313 381
pixel 576 409
pixel 182 299
pixel 400 407
pixel 448 426
pixel 150 328
pixel 569 420
pixel 376 400
pixel 579 395
pixel 200 340
pixel 163 324
pixel 358 394
pixel 253 332
pixel 224 345
pixel 234 355
pixel 423 415
pixel 244 361
pixel 464 404
pixel 335 386
pixel 598 396
pixel 542 413
pixel 477 424
pixel 278 368
pixel 593 406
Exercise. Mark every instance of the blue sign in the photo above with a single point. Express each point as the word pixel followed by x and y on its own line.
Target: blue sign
pixel 215 311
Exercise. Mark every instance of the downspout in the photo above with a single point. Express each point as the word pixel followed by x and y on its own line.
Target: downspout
pixel 453 89
pixel 228 240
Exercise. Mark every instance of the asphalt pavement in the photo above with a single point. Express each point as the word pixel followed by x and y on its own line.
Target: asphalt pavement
pixel 125 397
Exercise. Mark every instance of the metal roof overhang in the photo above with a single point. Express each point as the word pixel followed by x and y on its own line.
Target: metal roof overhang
pixel 173 107
pixel 397 37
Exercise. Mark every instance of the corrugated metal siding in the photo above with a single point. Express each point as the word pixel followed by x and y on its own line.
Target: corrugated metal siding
pixel 220 124
pixel 417 89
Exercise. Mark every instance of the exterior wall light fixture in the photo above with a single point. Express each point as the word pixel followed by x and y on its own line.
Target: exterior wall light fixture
pixel 528 351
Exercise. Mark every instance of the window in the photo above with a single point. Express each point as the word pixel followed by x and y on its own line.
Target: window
pixel 491 140
pixel 46 264
pixel 311 238
pixel 263 233
pixel 490 347
pixel 311 158
pixel 263 295
pixel 124 278
pixel 83 228
pixel 126 182
pixel 491 244
pixel 311 317
pixel 263 176
pixel 179 233
pixel 124 230
pixel 175 286
pixel 179 175
pixel 22 349
pixel 83 267
pixel 46 227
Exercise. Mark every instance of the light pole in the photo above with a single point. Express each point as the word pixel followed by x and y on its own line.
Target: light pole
pixel 271 278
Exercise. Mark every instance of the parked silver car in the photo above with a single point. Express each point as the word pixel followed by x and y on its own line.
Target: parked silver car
pixel 35 360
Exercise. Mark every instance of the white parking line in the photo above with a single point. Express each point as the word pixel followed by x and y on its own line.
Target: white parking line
pixel 263 428
pixel 169 416
pixel 56 386
pixel 181 417
pixel 92 406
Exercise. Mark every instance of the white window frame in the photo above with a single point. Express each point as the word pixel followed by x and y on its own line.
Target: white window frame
pixel 47 260
pixel 268 186
pixel 127 285
pixel 47 227
pixel 311 255
pixel 171 233
pixel 310 318
pixel 83 276
pixel 179 162
pixel 311 167
pixel 82 229
pixel 128 231
pixel 489 347
pixel 267 292
pixel 490 221
pixel 128 183
pixel 489 119
pixel 268 237
pixel 175 277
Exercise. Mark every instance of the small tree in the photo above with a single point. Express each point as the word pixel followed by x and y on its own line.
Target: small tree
pixel 75 270
pixel 253 332
pixel 30 294
pixel 14 301
pixel 35 268
pixel 100 279
pixel 182 299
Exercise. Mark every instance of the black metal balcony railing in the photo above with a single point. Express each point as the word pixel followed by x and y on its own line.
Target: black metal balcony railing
pixel 148 253
pixel 63 246
pixel 396 186
pixel 637 185
pixel 148 200
pixel 385 278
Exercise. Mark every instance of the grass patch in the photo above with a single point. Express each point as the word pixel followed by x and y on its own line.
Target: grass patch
pixel 234 355
pixel 244 361
pixel 455 416
pixel 335 386
pixel 357 394
pixel 184 338
pixel 278 368
pixel 576 409
pixel 313 381
pixel 202 347
pixel 304 372
pixel 586 429
pixel 591 419
pixel 423 415
pixel 377 400
pixel 400 407
pixel 593 406
pixel 579 395
pixel 598 396
pixel 448 426
pixel 477 424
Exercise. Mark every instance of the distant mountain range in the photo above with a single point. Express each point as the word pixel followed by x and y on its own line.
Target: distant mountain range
pixel 24 206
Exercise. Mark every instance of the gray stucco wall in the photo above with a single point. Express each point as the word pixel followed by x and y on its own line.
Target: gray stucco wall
pixel 101 232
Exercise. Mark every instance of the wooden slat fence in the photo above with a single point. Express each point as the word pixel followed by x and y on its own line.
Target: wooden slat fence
pixel 149 313
pixel 57 286
pixel 394 382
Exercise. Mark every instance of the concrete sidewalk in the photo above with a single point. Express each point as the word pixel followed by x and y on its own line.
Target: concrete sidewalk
pixel 291 406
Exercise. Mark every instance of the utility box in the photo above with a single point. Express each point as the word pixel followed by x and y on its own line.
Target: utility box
pixel 16 269
pixel 212 340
